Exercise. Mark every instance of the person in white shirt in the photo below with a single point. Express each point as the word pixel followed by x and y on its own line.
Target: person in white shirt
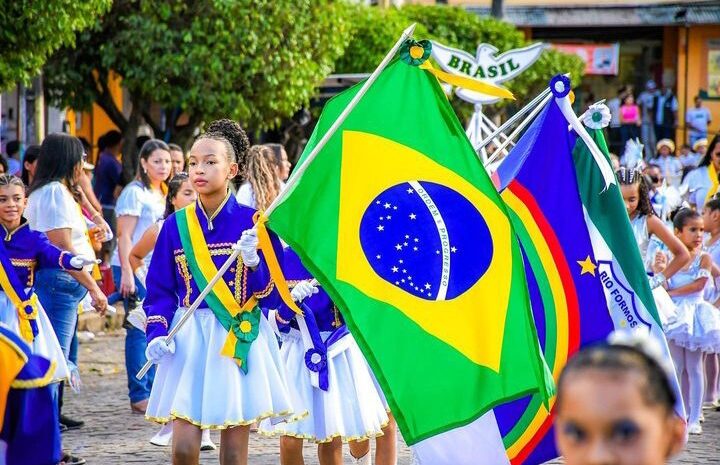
pixel 140 205
pixel 698 119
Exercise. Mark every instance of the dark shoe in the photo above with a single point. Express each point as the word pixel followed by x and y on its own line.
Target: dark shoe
pixel 63 428
pixel 72 460
pixel 70 423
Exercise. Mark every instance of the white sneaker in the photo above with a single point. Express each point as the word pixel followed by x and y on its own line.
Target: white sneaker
pixel 206 443
pixel 364 460
pixel 163 437
pixel 695 428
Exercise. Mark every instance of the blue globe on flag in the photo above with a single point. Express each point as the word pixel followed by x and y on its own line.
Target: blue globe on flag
pixel 427 239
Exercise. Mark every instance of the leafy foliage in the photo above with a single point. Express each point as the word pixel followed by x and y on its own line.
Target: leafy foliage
pixel 253 60
pixel 32 30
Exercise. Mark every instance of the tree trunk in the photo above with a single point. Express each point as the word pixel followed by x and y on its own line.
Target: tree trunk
pixel 496 10
pixel 130 151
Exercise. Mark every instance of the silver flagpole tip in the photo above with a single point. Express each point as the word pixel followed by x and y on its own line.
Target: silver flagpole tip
pixel 409 31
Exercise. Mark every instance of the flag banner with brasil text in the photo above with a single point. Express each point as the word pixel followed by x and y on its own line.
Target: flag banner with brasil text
pixel 400 223
pixel 585 273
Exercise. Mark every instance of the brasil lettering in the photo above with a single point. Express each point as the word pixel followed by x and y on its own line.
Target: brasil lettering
pixel 621 300
pixel 479 71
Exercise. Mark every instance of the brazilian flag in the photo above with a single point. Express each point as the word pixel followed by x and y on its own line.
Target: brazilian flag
pixel 399 222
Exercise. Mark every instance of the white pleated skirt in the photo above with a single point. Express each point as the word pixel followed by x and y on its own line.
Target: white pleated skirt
pixel 695 326
pixel 45 343
pixel 202 387
pixel 350 409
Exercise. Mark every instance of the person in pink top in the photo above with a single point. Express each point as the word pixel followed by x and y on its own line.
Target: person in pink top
pixel 630 119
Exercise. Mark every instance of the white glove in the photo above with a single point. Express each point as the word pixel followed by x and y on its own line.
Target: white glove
pixel 79 261
pixel 657 280
pixel 75 381
pixel 158 349
pixel 247 245
pixel 141 275
pixel 303 290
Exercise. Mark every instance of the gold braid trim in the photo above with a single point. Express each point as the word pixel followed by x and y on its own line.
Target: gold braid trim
pixel 309 437
pixel 181 261
pixel 228 424
pixel 46 379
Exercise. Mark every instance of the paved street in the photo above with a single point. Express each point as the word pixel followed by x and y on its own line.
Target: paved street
pixel 112 435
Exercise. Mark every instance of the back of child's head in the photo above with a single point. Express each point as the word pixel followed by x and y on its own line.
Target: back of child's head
pixel 713 204
pixel 626 353
pixel 681 216
pixel 631 177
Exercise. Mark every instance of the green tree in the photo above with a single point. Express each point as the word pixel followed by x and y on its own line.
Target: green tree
pixel 256 61
pixel 374 29
pixel 30 31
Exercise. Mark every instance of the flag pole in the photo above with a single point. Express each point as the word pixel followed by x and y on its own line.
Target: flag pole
pixel 538 108
pixel 513 119
pixel 297 174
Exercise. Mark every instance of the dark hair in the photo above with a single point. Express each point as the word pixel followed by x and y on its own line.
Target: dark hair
pixel 234 136
pixel 713 204
pixel 708 153
pixel 4 163
pixel 31 154
pixel 630 177
pixel 145 151
pixel 277 151
pixel 681 216
pixel 174 186
pixel 86 145
pixel 175 148
pixel 60 154
pixel 12 148
pixel 622 359
pixel 109 139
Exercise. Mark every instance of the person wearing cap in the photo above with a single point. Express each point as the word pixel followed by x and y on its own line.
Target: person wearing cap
pixel 646 101
pixel 700 147
pixel 670 165
pixel 697 120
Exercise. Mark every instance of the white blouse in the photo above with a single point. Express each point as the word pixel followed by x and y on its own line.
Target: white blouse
pixel 53 207
pixel 145 204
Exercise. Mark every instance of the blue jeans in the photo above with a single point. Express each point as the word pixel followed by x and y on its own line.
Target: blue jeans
pixel 60 295
pixel 135 345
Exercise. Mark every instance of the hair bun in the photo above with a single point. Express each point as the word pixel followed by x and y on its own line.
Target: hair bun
pixel 232 132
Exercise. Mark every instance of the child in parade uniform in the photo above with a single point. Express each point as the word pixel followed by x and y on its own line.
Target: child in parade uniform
pixel 646 225
pixel 615 405
pixel 328 375
pixel 21 252
pixel 180 194
pixel 223 371
pixel 29 428
pixel 711 219
pixel 695 327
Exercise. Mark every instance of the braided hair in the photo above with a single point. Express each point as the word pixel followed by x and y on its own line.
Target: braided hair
pixel 233 136
pixel 10 180
pixel 631 177
pixel 260 173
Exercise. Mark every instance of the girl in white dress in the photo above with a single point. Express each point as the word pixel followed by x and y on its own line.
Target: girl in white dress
pixel 711 218
pixel 695 327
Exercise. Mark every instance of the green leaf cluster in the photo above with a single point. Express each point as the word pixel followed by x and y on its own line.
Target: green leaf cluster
pixel 374 29
pixel 31 30
pixel 256 61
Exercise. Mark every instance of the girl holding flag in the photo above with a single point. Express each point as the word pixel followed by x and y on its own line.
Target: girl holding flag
pixel 223 371
pixel 328 373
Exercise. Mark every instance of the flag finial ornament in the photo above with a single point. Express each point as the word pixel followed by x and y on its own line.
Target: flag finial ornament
pixel 560 85
pixel 597 117
pixel 415 52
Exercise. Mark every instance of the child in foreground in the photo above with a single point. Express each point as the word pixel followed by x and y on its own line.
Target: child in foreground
pixel 615 405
